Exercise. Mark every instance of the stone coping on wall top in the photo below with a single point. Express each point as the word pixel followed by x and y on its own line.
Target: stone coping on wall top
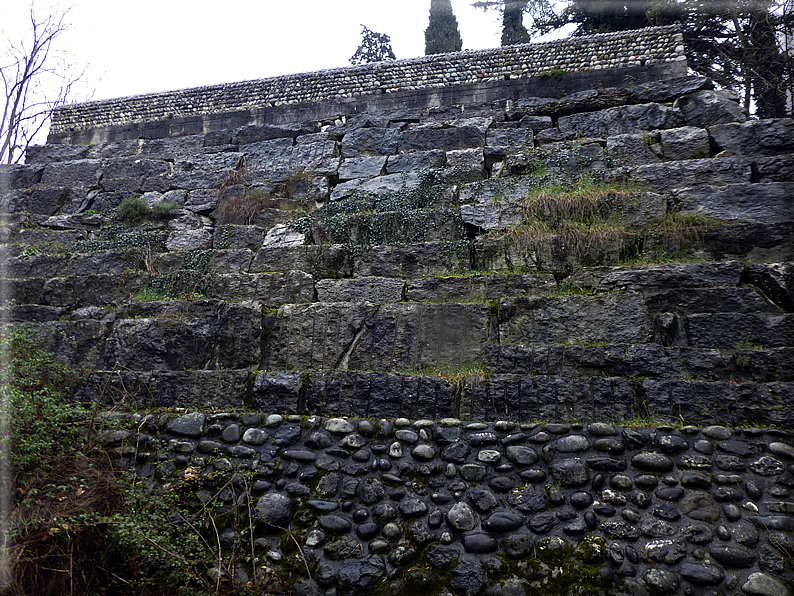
pixel 446 69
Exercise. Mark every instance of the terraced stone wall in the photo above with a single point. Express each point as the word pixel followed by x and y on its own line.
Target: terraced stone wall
pixel 463 78
pixel 447 350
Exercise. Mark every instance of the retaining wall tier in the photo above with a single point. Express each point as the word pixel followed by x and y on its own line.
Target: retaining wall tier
pixel 362 506
pixel 477 77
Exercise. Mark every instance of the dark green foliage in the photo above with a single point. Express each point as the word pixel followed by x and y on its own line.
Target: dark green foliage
pixel 375 47
pixel 442 34
pixel 513 30
pixel 734 43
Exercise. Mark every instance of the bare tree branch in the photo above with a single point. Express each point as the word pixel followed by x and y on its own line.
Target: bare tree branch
pixel 37 77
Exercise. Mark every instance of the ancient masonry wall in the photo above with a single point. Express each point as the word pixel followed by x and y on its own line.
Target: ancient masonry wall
pixel 658 51
pixel 523 509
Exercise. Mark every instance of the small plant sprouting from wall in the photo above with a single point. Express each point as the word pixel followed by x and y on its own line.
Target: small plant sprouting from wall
pixel 241 209
pixel 133 210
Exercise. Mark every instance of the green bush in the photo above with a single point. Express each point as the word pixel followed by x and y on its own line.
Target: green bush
pixel 135 210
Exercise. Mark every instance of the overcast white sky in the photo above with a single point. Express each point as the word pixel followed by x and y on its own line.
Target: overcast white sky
pixel 146 46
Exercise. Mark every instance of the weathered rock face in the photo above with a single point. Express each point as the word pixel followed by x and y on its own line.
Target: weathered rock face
pixel 584 259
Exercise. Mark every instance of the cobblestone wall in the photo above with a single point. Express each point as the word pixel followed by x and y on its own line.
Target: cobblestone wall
pixel 496 508
pixel 645 47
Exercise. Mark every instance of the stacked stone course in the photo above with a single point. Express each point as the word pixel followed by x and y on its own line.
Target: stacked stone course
pixel 605 51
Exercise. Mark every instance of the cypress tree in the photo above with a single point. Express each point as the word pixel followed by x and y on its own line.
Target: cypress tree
pixel 442 34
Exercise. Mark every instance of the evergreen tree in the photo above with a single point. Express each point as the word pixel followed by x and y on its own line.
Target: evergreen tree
pixel 442 34
pixel 513 11
pixel 375 47
pixel 513 30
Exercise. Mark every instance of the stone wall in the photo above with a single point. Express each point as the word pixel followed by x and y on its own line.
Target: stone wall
pixel 444 349
pixel 499 508
pixel 640 55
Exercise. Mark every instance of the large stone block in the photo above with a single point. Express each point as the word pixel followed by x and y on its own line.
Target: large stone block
pixel 688 142
pixel 363 289
pixel 413 260
pixel 390 337
pixel 707 108
pixel 364 142
pixel 621 120
pixel 756 138
pixel 610 318
pixel 770 203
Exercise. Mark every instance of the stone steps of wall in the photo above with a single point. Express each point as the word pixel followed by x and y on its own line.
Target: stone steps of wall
pixel 471 396
pixel 380 328
pixel 635 361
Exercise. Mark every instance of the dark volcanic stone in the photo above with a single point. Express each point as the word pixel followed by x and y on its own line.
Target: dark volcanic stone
pixel 468 576
pixel 518 545
pixel 581 500
pixel 533 475
pixel 275 509
pixel 570 473
pixel 321 506
pixel 367 530
pixel 287 435
pixel 732 512
pixel 670 493
pixel 358 576
pixel 667 512
pixel 590 520
pixel 698 533
pixel 619 530
pixel 521 455
pixel 702 574
pixel 696 480
pixel 479 544
pixel 607 464
pixel 503 520
pixel 740 448
pixel 528 500
pixel 483 500
pixel 501 484
pixel 736 557
pixel 609 445
pixel 652 462
pixel 656 528
pixel 335 523
pixel 700 506
pixel 767 466
pixel 412 507
pixel 442 556
pixel 542 523
pixel 671 443
pixel 661 582
pixel 604 510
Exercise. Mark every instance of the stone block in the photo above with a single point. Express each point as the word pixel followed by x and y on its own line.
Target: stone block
pixel 769 203
pixel 329 261
pixel 634 149
pixel 688 142
pixel 362 167
pixel 418 160
pixel 621 120
pixel 610 318
pixel 413 260
pixel 271 289
pixel 364 142
pixel 756 138
pixel 707 108
pixel 363 289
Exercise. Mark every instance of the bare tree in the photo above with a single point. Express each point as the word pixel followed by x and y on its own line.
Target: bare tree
pixel 37 77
